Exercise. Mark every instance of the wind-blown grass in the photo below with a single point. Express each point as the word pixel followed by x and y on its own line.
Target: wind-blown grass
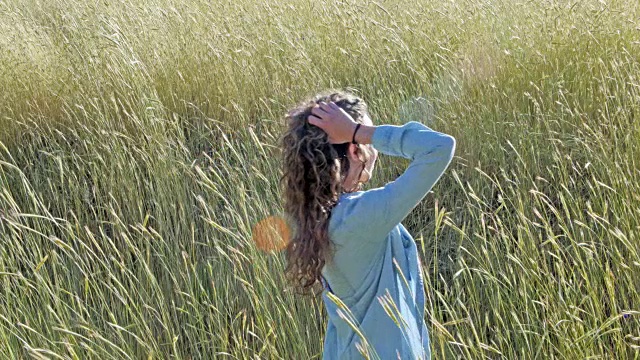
pixel 138 145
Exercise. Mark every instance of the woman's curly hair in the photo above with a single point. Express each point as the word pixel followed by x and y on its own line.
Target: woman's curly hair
pixel 314 171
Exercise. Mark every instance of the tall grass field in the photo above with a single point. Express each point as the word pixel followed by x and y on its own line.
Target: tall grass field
pixel 139 145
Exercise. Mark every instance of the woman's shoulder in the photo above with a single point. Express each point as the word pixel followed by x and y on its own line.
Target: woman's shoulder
pixel 350 210
pixel 343 208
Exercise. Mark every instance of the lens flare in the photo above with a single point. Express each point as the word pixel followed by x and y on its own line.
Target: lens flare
pixel 271 234
pixel 417 109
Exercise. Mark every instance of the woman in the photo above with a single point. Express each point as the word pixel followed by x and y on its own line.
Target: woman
pixel 351 241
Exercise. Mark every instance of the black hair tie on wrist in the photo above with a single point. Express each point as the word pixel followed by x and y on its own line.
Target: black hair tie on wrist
pixel 353 141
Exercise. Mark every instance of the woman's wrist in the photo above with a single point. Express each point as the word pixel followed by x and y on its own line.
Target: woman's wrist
pixel 365 134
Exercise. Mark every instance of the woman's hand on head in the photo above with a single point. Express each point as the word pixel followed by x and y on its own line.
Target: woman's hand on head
pixel 336 122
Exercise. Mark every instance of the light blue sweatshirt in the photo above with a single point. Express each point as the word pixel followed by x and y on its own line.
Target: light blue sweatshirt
pixel 375 271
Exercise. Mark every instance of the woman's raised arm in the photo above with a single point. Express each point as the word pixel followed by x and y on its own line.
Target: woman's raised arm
pixel 377 211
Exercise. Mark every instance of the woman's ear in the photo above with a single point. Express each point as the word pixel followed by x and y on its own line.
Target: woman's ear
pixel 352 152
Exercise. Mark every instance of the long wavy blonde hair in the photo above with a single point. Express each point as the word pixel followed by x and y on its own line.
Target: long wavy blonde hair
pixel 313 177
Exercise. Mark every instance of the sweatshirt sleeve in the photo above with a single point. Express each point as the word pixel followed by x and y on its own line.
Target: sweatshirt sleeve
pixel 370 215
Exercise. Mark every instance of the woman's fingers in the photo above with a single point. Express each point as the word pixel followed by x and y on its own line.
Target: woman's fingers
pixel 324 106
pixel 334 106
pixel 317 111
pixel 323 109
pixel 314 120
pixel 333 120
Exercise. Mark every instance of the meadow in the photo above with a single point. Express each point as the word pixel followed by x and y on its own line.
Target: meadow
pixel 139 145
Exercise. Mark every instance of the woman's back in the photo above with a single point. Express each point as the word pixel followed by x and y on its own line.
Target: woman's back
pixel 375 271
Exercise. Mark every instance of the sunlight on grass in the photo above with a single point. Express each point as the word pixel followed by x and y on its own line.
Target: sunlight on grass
pixel 139 147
